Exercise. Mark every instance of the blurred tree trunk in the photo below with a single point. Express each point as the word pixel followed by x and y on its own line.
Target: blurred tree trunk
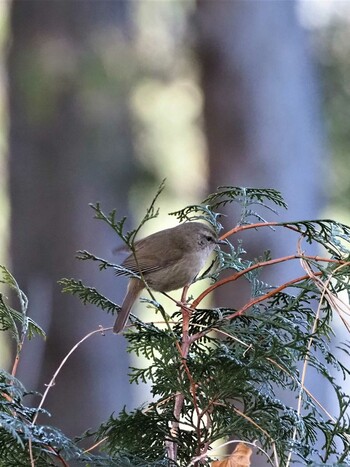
pixel 69 72
pixel 262 118
pixel 261 107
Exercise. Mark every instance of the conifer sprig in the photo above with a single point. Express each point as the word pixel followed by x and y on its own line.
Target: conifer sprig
pixel 212 384
pixel 214 372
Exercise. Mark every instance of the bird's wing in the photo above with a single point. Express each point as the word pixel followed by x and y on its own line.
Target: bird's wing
pixel 150 258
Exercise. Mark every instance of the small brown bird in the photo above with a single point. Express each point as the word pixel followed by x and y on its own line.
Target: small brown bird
pixel 168 260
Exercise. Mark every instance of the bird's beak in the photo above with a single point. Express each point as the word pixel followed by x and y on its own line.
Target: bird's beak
pixel 220 242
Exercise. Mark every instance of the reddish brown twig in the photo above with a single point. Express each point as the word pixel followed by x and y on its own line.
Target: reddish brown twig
pixel 270 262
pixel 257 300
pixel 183 349
pixel 241 228
pixel 52 381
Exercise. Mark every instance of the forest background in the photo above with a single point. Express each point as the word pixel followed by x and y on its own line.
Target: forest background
pixel 101 100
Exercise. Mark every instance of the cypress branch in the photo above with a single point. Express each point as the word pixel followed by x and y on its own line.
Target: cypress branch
pixel 213 372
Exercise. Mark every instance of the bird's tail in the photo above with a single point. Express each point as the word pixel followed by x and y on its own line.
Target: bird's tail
pixel 134 289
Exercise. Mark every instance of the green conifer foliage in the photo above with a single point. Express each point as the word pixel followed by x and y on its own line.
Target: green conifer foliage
pixel 214 373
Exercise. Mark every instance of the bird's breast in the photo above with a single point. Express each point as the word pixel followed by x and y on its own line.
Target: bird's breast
pixel 177 275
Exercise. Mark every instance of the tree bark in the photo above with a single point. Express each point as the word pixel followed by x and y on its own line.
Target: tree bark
pixel 262 121
pixel 261 108
pixel 70 144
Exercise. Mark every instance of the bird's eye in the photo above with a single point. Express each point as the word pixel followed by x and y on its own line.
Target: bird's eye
pixel 209 238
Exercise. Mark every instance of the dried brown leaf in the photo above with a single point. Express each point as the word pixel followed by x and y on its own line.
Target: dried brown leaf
pixel 239 458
